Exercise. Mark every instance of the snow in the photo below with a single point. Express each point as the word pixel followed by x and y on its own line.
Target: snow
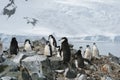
pixel 63 17
pixel 18 58
pixel 34 58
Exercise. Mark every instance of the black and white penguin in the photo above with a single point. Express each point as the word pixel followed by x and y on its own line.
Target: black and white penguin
pixel 27 45
pixel 1 47
pixel 58 51
pixel 79 60
pixel 65 50
pixel 48 49
pixel 95 51
pixel 14 46
pixel 88 53
pixel 53 43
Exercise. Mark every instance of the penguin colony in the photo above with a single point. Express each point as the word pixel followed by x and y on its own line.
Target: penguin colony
pixel 63 51
pixel 52 49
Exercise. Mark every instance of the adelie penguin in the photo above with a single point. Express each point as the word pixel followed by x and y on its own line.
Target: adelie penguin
pixel 95 51
pixel 58 51
pixel 27 45
pixel 48 50
pixel 53 43
pixel 65 50
pixel 79 60
pixel 14 46
pixel 88 53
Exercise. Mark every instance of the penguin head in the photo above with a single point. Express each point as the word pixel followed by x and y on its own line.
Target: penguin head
pixel 87 46
pixel 13 41
pixel 80 47
pixel 27 41
pixel 94 43
pixel 50 36
pixel 63 39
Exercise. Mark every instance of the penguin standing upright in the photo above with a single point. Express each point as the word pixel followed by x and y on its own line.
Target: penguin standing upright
pixel 14 46
pixel 27 45
pixel 95 51
pixel 1 47
pixel 47 49
pixel 88 53
pixel 79 60
pixel 65 50
pixel 53 43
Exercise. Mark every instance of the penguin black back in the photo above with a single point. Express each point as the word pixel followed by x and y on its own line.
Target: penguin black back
pixel 66 50
pixel 80 59
pixel 14 46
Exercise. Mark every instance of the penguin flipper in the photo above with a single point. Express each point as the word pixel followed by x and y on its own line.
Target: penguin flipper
pixel 89 62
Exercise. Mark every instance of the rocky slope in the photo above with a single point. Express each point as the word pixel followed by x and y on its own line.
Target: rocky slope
pixel 34 65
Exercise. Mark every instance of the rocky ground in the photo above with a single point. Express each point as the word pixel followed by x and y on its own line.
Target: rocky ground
pixel 34 65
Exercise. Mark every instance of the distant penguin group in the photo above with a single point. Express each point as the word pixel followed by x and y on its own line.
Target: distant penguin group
pixel 90 53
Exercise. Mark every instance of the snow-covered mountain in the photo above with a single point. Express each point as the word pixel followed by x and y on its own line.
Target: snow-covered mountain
pixel 72 18
pixel 6 38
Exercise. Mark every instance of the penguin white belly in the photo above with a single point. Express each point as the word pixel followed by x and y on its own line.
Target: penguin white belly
pixel 76 63
pixel 58 54
pixel 88 54
pixel 52 46
pixel 62 55
pixel 28 47
pixel 47 50
pixel 95 52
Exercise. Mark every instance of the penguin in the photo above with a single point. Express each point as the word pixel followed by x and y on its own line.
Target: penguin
pixel 48 49
pixel 53 43
pixel 95 51
pixel 1 47
pixel 79 60
pixel 14 46
pixel 88 53
pixel 58 51
pixel 65 50
pixel 27 45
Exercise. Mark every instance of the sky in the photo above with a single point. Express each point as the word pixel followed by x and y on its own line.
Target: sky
pixel 63 17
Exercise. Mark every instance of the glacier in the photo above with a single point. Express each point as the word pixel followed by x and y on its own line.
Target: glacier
pixel 72 18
